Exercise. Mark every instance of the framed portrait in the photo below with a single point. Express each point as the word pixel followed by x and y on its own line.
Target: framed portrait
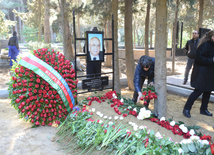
pixel 94 46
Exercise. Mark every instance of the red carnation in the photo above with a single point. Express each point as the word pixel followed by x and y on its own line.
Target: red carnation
pixel 38 80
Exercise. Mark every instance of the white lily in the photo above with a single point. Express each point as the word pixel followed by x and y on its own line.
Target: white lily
pixel 195 138
pixel 180 151
pixel 105 117
pixel 110 123
pixel 191 132
pixel 147 113
pixel 162 119
pixel 135 127
pixel 142 127
pixel 143 109
pixel 135 109
pixel 172 123
pixel 93 109
pixel 98 113
pixel 110 118
pixel 101 115
pixel 184 129
pixel 121 100
pixel 100 121
pixel 114 96
pixel 116 117
pixel 121 117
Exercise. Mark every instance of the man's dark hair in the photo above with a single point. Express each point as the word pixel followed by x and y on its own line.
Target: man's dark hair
pixel 14 32
pixel 145 61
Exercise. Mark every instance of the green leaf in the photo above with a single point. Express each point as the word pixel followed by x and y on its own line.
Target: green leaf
pixel 191 147
pixel 185 148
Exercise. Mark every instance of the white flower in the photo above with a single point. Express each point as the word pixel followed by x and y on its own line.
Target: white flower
pixel 172 123
pixel 186 141
pixel 121 100
pixel 147 114
pixel 93 109
pixel 181 126
pixel 191 132
pixel 110 123
pixel 98 113
pixel 114 96
pixel 135 127
pixel 162 119
pixel 142 127
pixel 194 138
pixel 130 123
pixel 116 117
pixel 129 107
pixel 184 129
pixel 127 130
pixel 180 151
pixel 101 115
pixel 204 142
pixel 100 121
pixel 105 117
pixel 158 135
pixel 121 117
pixel 110 118
pixel 143 109
pixel 135 109
pixel 140 117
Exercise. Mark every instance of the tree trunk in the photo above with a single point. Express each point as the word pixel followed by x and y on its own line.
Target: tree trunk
pixel 129 44
pixel 16 22
pixel 200 15
pixel 67 37
pixel 47 22
pixel 39 21
pixel 109 48
pixel 79 49
pixel 174 41
pixel 134 33
pixel 147 28
pixel 160 107
pixel 116 57
pixel 151 33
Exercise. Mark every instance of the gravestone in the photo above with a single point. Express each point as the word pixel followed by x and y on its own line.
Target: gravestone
pixel 3 44
pixel 4 59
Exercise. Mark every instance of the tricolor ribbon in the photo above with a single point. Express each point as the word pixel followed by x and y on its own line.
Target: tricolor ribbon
pixel 50 75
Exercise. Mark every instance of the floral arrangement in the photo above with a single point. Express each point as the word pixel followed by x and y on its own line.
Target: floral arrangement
pixel 79 130
pixel 34 98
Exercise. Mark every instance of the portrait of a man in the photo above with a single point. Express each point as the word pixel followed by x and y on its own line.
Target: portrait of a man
pixel 95 47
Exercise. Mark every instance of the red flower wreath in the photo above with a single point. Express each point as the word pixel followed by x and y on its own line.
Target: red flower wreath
pixel 35 99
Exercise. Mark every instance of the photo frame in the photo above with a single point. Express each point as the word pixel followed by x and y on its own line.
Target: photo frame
pixel 95 46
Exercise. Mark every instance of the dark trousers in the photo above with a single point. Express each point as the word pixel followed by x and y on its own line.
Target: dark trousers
pixel 135 95
pixel 189 65
pixel 194 95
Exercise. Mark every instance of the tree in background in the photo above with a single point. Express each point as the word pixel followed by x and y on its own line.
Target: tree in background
pixel 160 106
pixel 116 57
pixel 47 36
pixel 147 28
pixel 200 14
pixel 129 44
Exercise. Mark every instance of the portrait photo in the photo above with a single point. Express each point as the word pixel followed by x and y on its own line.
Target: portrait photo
pixel 95 46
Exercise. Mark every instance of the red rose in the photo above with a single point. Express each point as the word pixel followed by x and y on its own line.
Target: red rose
pixel 124 115
pixel 134 113
pixel 37 123
pixel 38 80
pixel 37 86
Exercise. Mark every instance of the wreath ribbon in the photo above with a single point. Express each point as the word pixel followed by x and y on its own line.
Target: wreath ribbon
pixel 50 75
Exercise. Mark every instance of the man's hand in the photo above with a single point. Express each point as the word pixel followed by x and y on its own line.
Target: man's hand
pixel 139 96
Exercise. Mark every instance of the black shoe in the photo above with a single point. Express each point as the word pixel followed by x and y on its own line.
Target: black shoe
pixel 184 82
pixel 186 113
pixel 205 112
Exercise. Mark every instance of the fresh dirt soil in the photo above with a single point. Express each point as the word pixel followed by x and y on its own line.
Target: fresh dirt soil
pixel 17 136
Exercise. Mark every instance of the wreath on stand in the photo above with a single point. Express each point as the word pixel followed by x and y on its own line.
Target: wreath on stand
pixel 35 99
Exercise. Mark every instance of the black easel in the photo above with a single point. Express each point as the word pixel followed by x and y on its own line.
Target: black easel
pixel 85 54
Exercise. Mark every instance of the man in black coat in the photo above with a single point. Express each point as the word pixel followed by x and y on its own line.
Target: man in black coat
pixel 190 50
pixel 202 75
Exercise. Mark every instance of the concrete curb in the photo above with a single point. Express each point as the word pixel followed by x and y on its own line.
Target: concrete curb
pixel 4 93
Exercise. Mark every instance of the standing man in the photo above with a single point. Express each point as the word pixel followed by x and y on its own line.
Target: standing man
pixel 13 48
pixel 144 69
pixel 190 50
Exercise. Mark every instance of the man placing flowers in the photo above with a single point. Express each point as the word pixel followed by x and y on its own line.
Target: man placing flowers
pixel 144 69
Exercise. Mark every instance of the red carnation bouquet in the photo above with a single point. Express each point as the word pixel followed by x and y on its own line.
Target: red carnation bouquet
pixel 148 93
pixel 34 98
